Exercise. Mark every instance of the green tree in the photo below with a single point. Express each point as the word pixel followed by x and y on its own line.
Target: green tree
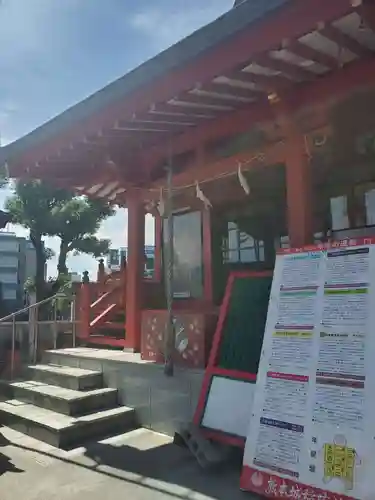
pixel 49 211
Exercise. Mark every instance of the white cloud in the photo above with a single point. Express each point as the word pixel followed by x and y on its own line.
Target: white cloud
pixel 26 26
pixel 167 25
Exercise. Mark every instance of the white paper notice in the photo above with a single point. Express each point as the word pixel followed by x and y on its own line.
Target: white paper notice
pixel 312 433
pixel 291 351
pixel 296 308
pixel 348 267
pixel 345 308
pixel 301 270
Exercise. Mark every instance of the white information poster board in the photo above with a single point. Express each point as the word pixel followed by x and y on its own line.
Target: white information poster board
pixel 312 429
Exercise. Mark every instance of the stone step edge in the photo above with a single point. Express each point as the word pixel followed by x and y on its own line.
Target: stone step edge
pixel 64 371
pixel 71 422
pixel 76 395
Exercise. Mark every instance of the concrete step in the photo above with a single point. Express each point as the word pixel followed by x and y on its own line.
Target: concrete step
pixel 64 431
pixel 62 400
pixel 76 379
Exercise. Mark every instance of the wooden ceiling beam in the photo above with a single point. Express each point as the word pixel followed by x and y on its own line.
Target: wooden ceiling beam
pixel 290 70
pixel 80 148
pixel 270 155
pixel 151 118
pixel 333 86
pixel 141 138
pixel 202 101
pixel 149 127
pixel 343 40
pixel 230 90
pixel 263 82
pixel 165 109
pixel 310 54
pixel 112 192
pixel 133 136
pixel 229 124
pixel 88 149
pixel 89 153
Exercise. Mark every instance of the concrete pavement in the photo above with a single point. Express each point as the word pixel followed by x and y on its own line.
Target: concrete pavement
pixel 139 465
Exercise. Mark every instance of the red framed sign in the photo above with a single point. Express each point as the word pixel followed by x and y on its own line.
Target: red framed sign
pixel 224 405
pixel 311 430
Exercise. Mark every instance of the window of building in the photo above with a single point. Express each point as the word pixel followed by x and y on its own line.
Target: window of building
pixel 9 245
pixel 364 202
pixel 282 242
pixel 9 294
pixel 188 254
pixel 9 261
pixel 9 278
pixel 240 247
pixel 356 209
pixel 370 207
pixel 339 213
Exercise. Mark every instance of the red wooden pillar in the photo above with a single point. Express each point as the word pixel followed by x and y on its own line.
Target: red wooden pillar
pixel 298 179
pixel 134 271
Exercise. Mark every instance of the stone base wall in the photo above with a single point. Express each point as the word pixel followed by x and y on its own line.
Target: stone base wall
pixel 162 404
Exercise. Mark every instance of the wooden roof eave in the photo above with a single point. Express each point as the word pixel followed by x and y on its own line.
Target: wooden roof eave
pixel 102 108
pixel 177 70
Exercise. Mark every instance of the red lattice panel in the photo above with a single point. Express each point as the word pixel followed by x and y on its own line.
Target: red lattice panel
pixel 194 329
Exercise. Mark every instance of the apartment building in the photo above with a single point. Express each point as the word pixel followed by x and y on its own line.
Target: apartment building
pixel 17 264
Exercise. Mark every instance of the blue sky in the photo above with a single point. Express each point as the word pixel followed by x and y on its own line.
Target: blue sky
pixel 54 53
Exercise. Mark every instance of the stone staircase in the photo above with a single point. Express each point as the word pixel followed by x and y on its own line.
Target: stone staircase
pixel 64 406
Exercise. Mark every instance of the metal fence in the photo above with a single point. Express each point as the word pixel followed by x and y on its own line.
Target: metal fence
pixel 27 333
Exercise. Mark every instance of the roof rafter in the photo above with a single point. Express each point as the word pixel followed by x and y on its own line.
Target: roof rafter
pixel 228 90
pixel 265 83
pixel 161 118
pixel 306 52
pixel 160 78
pixel 290 70
pixel 149 126
pixel 185 100
pixel 343 40
pixel 170 110
pixel 334 85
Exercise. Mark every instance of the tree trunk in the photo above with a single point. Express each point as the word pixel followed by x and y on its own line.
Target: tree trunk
pixel 36 239
pixel 61 265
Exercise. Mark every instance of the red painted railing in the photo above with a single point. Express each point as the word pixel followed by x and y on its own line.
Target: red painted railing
pixel 98 301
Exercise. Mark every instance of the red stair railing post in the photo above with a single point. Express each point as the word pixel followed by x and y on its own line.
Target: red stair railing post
pixel 101 276
pixel 85 302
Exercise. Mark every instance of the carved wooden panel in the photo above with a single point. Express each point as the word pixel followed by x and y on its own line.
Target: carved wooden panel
pixel 194 332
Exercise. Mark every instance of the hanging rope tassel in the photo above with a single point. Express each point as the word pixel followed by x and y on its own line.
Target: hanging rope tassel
pixel 201 196
pixel 243 180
